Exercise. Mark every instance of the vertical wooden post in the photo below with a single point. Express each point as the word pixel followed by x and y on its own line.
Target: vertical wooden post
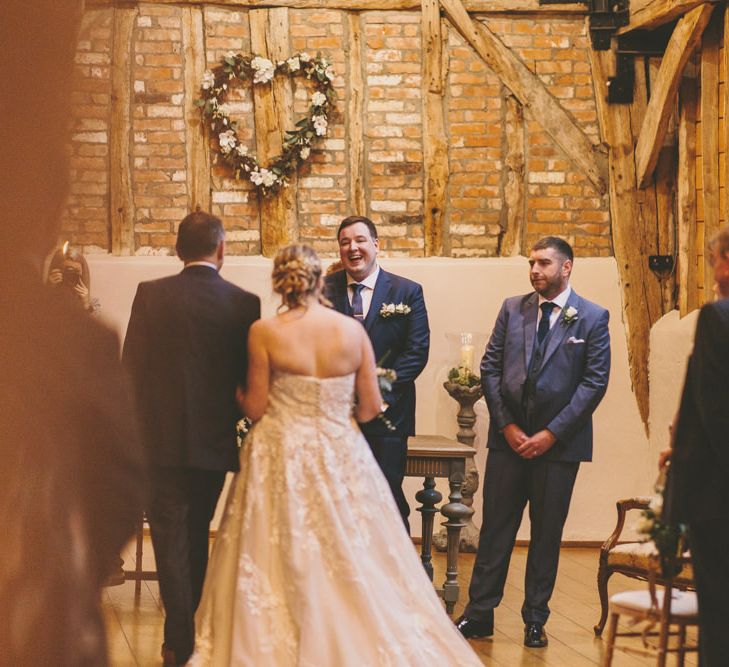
pixel 710 141
pixel 514 190
pixel 355 114
pixel 641 296
pixel 688 296
pixel 435 142
pixel 273 112
pixel 726 116
pixel 196 137
pixel 121 200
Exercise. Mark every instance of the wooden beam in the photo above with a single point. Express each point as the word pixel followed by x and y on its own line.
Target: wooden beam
pixel 435 142
pixel 524 7
pixel 196 136
pixel 640 292
pixel 273 108
pixel 688 285
pixel 649 14
pixel 665 220
pixel 710 140
pixel 514 188
pixel 355 114
pixel 662 103
pixel 121 199
pixel 532 94
pixel 726 116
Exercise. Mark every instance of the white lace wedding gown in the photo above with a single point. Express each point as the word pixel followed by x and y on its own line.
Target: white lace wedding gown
pixel 311 566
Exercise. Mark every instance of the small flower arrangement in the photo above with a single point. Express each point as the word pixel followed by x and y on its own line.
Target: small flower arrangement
pixel 569 315
pixel 297 144
pixel 394 310
pixel 385 379
pixel 241 430
pixel 464 377
pixel 666 536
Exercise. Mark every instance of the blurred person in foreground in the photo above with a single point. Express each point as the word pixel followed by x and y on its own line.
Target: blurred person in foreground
pixel 697 492
pixel 71 473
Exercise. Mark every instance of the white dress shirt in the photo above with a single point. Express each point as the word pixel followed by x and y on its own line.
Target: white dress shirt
pixel 559 301
pixel 369 287
pixel 209 264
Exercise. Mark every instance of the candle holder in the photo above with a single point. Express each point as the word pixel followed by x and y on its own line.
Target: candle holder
pixel 464 386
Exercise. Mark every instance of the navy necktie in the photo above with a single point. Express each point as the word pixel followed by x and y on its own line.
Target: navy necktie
pixel 543 328
pixel 357 308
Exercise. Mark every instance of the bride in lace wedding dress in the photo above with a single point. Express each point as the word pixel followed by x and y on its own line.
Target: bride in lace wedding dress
pixel 311 566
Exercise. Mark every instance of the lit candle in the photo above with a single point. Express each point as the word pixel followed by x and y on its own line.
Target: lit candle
pixel 467 356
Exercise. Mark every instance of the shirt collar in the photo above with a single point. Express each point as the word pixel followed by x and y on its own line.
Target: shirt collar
pixel 369 281
pixel 208 264
pixel 560 300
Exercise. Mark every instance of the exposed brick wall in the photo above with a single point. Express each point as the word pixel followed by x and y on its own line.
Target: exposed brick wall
pixel 86 217
pixel 559 199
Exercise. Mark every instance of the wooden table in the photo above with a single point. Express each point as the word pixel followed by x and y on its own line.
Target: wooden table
pixel 432 456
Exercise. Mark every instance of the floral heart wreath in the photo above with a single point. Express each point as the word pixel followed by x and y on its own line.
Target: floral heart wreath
pixel 297 143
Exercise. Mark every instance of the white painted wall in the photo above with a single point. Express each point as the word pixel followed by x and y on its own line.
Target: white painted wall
pixel 465 295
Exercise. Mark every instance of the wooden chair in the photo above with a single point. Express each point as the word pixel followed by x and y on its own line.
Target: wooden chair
pixel 658 611
pixel 631 559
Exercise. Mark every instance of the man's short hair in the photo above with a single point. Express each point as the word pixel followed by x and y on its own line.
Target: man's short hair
pixel 198 236
pixel 353 220
pixel 560 245
pixel 720 241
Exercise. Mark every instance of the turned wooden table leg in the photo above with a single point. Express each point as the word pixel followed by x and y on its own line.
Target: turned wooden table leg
pixel 429 497
pixel 457 515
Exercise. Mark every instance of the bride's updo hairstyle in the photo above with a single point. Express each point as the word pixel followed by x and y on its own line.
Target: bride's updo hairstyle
pixel 297 275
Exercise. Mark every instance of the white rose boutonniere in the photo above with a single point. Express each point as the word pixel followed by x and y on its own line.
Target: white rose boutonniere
pixel 394 310
pixel 570 314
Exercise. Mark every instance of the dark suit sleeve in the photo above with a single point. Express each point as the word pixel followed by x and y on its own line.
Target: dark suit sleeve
pixel 709 381
pixel 491 372
pixel 135 342
pixel 593 384
pixel 252 308
pixel 412 360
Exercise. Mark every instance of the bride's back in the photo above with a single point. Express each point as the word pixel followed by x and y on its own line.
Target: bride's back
pixel 315 341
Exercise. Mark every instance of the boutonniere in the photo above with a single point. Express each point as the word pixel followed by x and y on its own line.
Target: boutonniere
pixel 570 314
pixel 394 309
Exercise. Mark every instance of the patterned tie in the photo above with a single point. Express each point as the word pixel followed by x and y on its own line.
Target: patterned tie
pixel 357 308
pixel 543 328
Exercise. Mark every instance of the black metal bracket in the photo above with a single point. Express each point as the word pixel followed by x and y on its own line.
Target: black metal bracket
pixel 661 265
pixel 620 87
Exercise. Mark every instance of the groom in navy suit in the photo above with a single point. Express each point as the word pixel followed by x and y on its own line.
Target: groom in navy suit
pixel 544 372
pixel 401 340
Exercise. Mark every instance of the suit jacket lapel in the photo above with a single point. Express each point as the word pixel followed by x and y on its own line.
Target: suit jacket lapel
pixel 529 313
pixel 560 328
pixel 379 296
pixel 339 296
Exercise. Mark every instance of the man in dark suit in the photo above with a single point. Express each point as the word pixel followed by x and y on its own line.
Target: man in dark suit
pixel 186 348
pixel 544 372
pixel 697 492
pixel 401 340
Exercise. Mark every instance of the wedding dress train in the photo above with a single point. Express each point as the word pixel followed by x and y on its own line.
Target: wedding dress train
pixel 312 566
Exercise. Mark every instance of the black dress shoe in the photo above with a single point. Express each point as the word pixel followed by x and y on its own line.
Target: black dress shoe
pixel 470 628
pixel 534 635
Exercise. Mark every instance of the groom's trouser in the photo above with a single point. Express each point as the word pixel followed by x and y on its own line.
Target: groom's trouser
pixel 180 510
pixel 391 454
pixel 509 483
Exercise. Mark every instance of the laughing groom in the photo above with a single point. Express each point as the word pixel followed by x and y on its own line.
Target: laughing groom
pixel 399 336
pixel 544 372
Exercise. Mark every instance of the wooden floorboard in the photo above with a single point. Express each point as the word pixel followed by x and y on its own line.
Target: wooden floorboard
pixel 135 626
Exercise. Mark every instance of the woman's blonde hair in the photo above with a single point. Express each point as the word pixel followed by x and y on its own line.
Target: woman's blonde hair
pixel 296 276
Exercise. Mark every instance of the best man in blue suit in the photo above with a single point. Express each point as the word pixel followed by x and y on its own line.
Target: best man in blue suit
pixel 401 341
pixel 544 372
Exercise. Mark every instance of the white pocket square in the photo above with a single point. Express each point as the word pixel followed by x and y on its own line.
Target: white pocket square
pixel 574 341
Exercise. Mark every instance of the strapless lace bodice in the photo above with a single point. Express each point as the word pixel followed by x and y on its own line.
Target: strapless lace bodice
pixel 293 397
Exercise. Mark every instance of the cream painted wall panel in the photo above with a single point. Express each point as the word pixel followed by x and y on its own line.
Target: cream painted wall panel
pixel 464 295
